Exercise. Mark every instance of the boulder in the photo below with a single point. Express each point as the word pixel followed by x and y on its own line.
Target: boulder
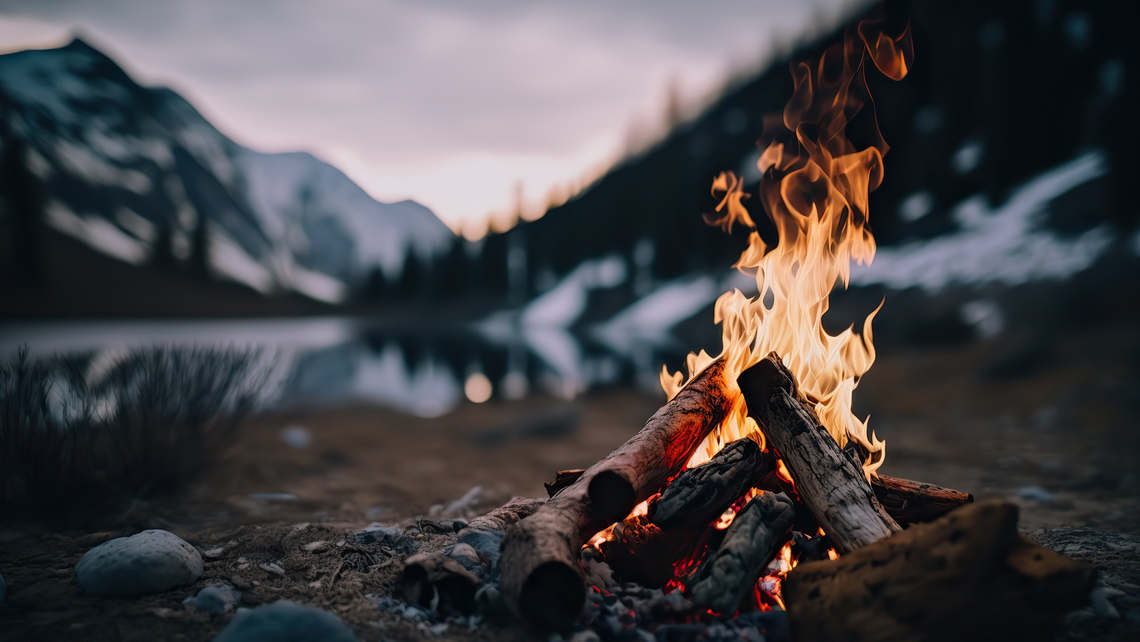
pixel 150 562
pixel 285 621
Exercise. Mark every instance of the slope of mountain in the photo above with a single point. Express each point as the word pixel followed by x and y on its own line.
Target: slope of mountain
pixel 138 173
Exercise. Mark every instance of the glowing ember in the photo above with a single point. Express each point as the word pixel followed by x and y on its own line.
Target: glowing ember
pixel 815 188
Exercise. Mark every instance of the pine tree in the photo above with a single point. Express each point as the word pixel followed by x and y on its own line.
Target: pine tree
pixel 411 282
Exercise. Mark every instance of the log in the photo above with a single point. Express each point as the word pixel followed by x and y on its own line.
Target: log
pixel 828 482
pixel 968 575
pixel 751 541
pixel 911 502
pixel 485 533
pixel 699 495
pixel 542 582
pixel 643 549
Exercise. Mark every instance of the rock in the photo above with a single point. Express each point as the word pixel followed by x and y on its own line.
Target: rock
pixel 285 622
pixel 296 437
pixel 214 599
pixel 1100 604
pixel 1035 493
pixel 150 562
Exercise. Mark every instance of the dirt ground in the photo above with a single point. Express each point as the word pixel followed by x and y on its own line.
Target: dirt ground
pixel 1058 436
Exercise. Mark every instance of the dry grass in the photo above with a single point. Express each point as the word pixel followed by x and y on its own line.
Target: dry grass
pixel 81 435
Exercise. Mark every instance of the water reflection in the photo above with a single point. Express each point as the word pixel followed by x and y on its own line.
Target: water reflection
pixel 422 372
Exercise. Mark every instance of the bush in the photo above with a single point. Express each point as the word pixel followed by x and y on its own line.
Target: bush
pixel 93 431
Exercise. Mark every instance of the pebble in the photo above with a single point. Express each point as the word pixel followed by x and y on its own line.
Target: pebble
pixel 273 568
pixel 150 562
pixel 1036 493
pixel 214 599
pixel 296 437
pixel 285 622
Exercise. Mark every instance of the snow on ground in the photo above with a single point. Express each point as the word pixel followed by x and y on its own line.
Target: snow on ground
pixel 1005 244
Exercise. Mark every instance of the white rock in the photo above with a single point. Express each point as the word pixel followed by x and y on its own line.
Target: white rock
pixel 214 599
pixel 285 622
pixel 150 562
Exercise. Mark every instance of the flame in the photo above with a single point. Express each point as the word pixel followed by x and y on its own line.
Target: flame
pixel 815 188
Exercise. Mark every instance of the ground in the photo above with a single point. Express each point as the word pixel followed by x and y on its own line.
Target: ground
pixel 1058 438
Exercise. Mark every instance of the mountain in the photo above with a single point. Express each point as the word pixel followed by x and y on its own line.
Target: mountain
pixel 137 173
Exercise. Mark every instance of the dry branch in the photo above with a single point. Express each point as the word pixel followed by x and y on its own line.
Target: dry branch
pixel 750 543
pixel 911 502
pixel 965 576
pixel 541 579
pixel 831 485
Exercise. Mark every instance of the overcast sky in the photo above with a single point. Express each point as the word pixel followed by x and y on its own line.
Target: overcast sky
pixel 452 103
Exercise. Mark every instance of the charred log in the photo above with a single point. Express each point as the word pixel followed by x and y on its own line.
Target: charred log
pixel 751 541
pixel 644 549
pixel 541 580
pixel 967 575
pixel 911 502
pixel 700 494
pixel 827 481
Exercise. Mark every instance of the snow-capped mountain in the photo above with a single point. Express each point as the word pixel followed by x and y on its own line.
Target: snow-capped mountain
pixel 128 168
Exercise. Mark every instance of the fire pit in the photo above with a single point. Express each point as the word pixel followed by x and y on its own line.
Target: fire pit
pixel 755 489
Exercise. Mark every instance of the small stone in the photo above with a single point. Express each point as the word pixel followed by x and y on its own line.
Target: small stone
pixel 215 552
pixel 315 546
pixel 150 562
pixel 1100 604
pixel 285 622
pixel 214 599
pixel 1035 493
pixel 273 568
pixel 296 437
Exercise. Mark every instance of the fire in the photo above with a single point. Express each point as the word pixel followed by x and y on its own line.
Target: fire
pixel 815 188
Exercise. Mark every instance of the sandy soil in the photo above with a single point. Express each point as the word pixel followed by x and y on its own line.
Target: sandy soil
pixel 1057 436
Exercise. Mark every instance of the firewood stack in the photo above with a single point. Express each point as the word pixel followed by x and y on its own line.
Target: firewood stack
pixel 735 535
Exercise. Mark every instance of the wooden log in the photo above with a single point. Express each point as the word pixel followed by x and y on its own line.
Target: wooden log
pixel 828 482
pixel 643 549
pixel 968 575
pixel 750 542
pixel 542 582
pixel 699 495
pixel 485 533
pixel 911 502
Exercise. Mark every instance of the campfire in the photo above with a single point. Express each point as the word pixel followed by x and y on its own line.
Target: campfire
pixel 756 489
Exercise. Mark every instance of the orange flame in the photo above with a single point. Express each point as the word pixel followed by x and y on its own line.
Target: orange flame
pixel 815 188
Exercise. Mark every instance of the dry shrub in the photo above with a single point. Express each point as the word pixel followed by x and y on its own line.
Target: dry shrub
pixel 83 433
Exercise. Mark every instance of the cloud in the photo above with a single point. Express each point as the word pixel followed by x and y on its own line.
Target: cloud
pixel 406 89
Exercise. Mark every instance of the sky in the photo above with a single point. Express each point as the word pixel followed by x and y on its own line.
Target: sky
pixel 471 107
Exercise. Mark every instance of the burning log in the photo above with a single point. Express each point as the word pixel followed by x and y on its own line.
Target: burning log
pixel 751 541
pixel 967 575
pixel 541 579
pixel 911 502
pixel 828 482
pixel 643 549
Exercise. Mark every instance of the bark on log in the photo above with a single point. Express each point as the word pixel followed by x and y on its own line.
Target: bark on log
pixel 750 542
pixel 485 533
pixel 911 502
pixel 699 495
pixel 541 579
pixel 966 576
pixel 644 549
pixel 831 485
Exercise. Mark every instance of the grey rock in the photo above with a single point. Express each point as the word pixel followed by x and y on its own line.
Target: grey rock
pixel 215 599
pixel 150 562
pixel 285 622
